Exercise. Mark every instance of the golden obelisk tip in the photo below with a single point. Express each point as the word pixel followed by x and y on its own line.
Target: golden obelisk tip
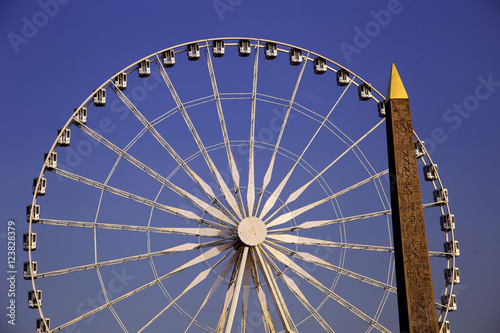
pixel 395 88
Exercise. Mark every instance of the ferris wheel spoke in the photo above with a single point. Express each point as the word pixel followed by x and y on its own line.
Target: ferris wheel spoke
pixel 164 116
pixel 268 175
pixel 251 157
pixel 293 239
pixel 187 105
pixel 229 294
pixel 298 192
pixel 292 286
pixel 287 262
pixel 220 277
pixel 322 223
pixel 199 278
pixel 197 179
pixel 291 215
pixel 206 207
pixel 439 254
pixel 144 129
pixel 261 296
pixel 284 314
pixel 433 204
pixel 247 277
pixel 239 280
pixel 308 257
pixel 172 210
pixel 176 249
pixel 202 257
pixel 232 164
pixel 225 308
pixel 271 201
pixel 216 174
pixel 203 232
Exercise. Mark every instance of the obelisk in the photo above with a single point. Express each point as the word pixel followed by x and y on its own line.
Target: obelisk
pixel 416 304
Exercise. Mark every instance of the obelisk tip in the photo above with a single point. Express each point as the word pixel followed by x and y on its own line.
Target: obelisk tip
pixel 396 89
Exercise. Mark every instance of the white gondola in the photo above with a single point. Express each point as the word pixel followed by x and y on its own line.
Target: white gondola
pixel 32 299
pixel 271 51
pixel 40 325
pixel 364 92
pixel 100 97
pixel 29 243
pixel 193 52
pixel 29 270
pixel 381 109
pixel 244 49
pixel 343 78
pixel 445 327
pixel 218 48
pixel 440 196
pixel 40 190
pixel 447 222
pixel 50 160
pixel 295 56
pixel 419 149
pixel 65 138
pixel 319 65
pixel 33 212
pixel 121 81
pixel 81 116
pixel 451 248
pixel 452 275
pixel 452 306
pixel 168 58
pixel 144 68
pixel 430 172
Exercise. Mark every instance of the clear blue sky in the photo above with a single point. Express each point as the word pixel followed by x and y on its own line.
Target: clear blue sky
pixel 55 52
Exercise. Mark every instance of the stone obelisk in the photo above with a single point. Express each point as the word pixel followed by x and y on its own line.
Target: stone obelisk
pixel 416 304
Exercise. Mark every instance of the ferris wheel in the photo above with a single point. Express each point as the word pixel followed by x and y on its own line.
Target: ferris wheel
pixel 223 185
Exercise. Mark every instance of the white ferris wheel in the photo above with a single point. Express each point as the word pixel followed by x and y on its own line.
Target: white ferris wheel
pixel 226 185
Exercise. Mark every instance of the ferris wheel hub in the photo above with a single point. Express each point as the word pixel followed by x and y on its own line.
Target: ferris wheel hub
pixel 252 231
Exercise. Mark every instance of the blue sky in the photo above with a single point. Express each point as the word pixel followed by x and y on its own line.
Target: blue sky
pixel 55 52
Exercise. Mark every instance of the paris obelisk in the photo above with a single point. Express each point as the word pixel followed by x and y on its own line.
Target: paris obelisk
pixel 416 304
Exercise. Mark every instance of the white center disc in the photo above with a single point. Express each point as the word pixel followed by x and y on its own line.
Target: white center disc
pixel 252 231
